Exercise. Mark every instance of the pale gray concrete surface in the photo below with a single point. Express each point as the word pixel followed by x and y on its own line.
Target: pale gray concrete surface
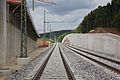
pixel 54 69
pixel 2 31
pixel 10 36
pixel 101 42
pixel 14 42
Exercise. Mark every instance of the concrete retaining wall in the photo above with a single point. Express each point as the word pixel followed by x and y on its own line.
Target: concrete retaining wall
pixel 10 36
pixel 2 31
pixel 14 43
pixel 106 42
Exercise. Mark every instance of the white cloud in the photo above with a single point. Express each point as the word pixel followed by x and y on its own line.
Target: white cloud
pixel 102 2
pixel 65 10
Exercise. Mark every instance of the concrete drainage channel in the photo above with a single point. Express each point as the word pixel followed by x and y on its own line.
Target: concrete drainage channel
pixel 5 71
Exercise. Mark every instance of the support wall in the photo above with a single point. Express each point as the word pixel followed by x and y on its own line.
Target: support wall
pixel 103 43
pixel 10 33
pixel 2 31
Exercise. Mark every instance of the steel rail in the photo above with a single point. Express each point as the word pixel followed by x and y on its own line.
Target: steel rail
pixel 115 61
pixel 42 67
pixel 67 67
pixel 96 61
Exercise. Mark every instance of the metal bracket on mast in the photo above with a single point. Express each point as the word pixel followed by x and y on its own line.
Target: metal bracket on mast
pixel 23 53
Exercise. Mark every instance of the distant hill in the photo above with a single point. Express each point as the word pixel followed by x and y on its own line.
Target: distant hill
pixel 104 17
pixel 54 34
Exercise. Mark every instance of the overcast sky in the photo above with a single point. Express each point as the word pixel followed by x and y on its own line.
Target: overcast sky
pixel 71 12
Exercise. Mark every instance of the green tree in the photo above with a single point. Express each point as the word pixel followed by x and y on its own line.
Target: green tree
pixel 104 16
pixel 60 38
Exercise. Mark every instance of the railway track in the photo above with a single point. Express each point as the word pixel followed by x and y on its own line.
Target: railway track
pixel 99 55
pixel 103 61
pixel 41 69
pixel 67 67
pixel 86 69
pixel 54 67
pixel 61 62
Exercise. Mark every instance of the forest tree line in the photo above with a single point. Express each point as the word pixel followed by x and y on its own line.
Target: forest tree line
pixel 104 16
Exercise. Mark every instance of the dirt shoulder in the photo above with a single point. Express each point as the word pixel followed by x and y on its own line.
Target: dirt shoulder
pixel 14 66
pixel 106 30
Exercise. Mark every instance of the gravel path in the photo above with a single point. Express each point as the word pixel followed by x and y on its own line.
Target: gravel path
pixel 27 69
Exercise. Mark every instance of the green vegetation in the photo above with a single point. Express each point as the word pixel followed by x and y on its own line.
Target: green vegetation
pixel 54 35
pixel 104 16
pixel 60 38
pixel 77 30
